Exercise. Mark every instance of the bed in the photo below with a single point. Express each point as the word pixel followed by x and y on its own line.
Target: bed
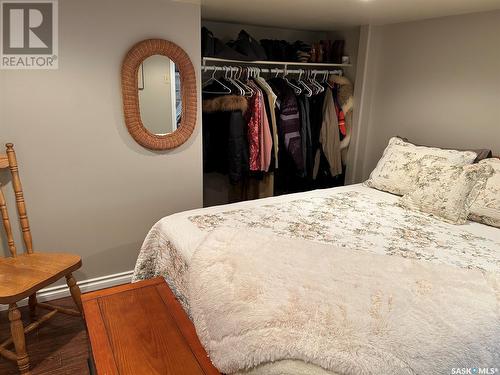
pixel 350 217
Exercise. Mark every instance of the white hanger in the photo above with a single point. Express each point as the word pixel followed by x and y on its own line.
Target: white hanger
pixel 295 88
pixel 308 90
pixel 213 79
pixel 328 82
pixel 229 77
pixel 325 80
pixel 248 91
pixel 312 79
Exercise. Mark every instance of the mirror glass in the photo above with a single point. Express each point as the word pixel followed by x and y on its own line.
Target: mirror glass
pixel 160 99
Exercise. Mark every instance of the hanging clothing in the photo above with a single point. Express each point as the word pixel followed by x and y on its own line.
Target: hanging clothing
pixel 289 121
pixel 252 188
pixel 339 111
pixel 253 116
pixel 305 121
pixel 271 96
pixel 225 146
pixel 341 118
pixel 257 184
pixel 316 119
pixel 268 111
pixel 248 138
pixel 345 99
pixel 265 138
pixel 266 142
pixel 329 137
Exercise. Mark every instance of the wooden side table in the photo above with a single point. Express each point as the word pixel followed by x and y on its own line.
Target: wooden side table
pixel 141 328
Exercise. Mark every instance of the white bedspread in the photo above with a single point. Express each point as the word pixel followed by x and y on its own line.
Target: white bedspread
pixel 351 217
pixel 257 298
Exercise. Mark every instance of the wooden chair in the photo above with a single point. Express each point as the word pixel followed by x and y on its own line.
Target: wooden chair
pixel 23 275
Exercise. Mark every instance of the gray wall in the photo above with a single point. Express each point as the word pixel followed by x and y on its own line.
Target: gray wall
pixel 89 187
pixel 436 82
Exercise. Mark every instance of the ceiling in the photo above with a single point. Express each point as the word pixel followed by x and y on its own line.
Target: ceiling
pixel 334 14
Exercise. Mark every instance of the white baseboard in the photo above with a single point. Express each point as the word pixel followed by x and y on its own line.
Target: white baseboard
pixel 61 291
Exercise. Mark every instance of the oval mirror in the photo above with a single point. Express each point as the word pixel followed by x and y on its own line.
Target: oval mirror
pixel 160 100
pixel 159 94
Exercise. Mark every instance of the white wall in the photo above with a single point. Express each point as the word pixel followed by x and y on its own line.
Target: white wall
pixel 90 189
pixel 436 82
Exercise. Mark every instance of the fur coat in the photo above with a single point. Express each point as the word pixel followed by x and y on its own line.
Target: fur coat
pixel 345 96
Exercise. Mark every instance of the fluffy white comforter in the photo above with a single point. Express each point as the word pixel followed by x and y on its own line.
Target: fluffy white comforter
pixel 257 298
pixel 355 218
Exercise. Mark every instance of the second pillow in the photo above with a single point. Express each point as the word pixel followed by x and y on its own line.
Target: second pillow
pixel 446 191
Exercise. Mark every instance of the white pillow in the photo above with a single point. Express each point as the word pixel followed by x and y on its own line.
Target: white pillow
pixel 446 191
pixel 398 169
pixel 486 208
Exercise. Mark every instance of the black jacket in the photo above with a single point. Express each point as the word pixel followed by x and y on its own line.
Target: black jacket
pixel 225 145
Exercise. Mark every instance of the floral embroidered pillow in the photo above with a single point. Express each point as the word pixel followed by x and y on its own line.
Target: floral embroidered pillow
pixel 398 169
pixel 446 191
pixel 486 208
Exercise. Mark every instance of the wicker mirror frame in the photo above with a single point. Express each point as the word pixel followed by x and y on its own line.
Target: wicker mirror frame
pixel 130 67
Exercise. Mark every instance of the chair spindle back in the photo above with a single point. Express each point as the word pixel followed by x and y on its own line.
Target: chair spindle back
pixel 9 161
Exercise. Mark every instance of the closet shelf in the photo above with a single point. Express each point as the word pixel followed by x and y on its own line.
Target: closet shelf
pixel 211 60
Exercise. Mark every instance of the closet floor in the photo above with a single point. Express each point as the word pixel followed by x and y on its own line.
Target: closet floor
pixel 59 346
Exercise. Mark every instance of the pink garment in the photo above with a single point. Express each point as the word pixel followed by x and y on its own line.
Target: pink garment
pixel 253 117
pixel 260 141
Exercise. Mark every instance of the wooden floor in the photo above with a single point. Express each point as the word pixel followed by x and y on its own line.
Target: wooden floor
pixel 58 347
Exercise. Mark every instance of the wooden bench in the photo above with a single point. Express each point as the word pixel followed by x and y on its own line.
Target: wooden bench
pixel 141 328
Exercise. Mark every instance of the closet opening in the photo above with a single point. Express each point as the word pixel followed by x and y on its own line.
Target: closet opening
pixel 277 110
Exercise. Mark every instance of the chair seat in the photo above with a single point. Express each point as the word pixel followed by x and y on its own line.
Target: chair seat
pixel 27 273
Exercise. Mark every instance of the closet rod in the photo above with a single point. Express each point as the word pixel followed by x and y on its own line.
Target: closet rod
pixel 216 60
pixel 205 68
